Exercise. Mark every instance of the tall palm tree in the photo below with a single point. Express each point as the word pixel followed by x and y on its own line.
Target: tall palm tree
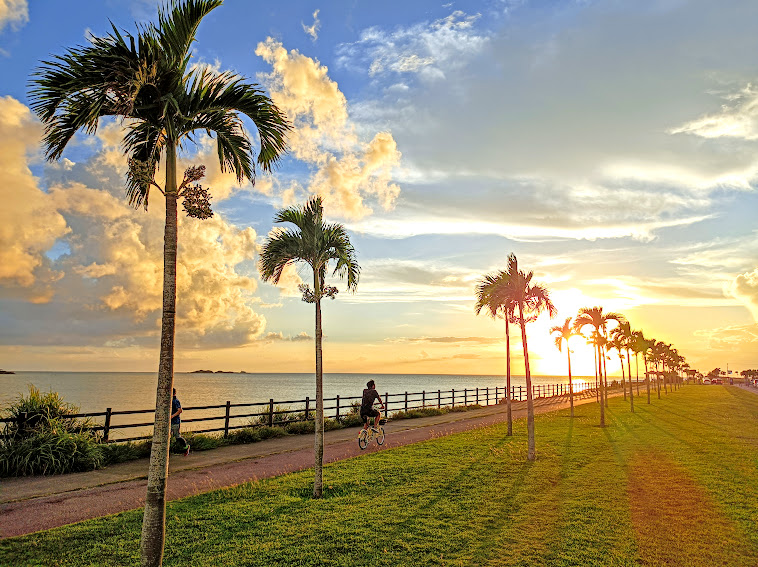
pixel 643 346
pixel 147 79
pixel 494 294
pixel 623 332
pixel 562 334
pixel 531 300
pixel 658 354
pixel 594 317
pixel 318 245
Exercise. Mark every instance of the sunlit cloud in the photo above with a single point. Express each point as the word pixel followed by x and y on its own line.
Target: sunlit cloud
pixel 13 12
pixel 348 172
pixel 738 118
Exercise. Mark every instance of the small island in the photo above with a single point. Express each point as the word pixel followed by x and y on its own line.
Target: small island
pixel 6 371
pixel 217 372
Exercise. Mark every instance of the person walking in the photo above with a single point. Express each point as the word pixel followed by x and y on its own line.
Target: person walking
pixel 176 422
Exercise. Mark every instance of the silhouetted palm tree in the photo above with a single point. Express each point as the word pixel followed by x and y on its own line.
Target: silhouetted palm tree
pixel 531 299
pixel 562 334
pixel 595 317
pixel 317 244
pixel 493 293
pixel 148 80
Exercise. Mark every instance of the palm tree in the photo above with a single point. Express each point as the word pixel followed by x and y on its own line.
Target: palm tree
pixel 623 332
pixel 595 317
pixel 617 344
pixel 531 299
pixel 493 293
pixel 147 79
pixel 658 350
pixel 562 334
pixel 643 346
pixel 317 244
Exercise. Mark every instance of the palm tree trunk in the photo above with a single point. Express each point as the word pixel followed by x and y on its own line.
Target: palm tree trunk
pixel 623 382
pixel 508 375
pixel 154 518
pixel 665 379
pixel 604 376
pixel 597 386
pixel 318 449
pixel 599 360
pixel 629 371
pixel 571 385
pixel 637 370
pixel 647 377
pixel 531 453
pixel 658 379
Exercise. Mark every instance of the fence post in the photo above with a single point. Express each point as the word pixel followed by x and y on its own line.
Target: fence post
pixel 270 412
pixel 21 420
pixel 488 395
pixel 465 396
pixel 519 393
pixel 423 399
pixel 386 404
pixel 307 408
pixel 477 396
pixel 226 418
pixel 497 400
pixel 107 424
pixel 406 400
pixel 452 399
pixel 337 415
pixel 439 399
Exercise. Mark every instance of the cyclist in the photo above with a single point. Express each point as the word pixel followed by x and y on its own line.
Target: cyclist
pixel 369 395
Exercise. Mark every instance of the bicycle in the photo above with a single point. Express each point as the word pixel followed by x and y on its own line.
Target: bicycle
pixel 367 435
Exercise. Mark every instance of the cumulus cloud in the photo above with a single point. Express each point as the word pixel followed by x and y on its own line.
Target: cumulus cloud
pixel 112 269
pixel 276 337
pixel 314 28
pixel 29 221
pixel 348 173
pixel 13 12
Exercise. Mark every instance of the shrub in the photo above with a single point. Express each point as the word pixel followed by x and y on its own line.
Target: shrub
pixel 199 442
pixel 267 432
pixel 300 427
pixel 122 452
pixel 49 441
pixel 242 436
pixel 49 449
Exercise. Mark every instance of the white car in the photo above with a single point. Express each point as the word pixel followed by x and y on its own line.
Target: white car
pixel 706 380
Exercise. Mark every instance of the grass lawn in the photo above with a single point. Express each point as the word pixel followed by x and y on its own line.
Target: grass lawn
pixel 676 483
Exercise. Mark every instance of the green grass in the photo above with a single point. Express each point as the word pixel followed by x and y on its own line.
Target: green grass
pixel 676 483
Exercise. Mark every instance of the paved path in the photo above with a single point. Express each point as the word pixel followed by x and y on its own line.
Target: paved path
pixel 32 504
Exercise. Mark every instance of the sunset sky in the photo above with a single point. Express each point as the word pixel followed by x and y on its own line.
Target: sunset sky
pixel 611 145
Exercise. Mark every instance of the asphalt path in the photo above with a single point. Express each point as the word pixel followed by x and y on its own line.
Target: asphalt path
pixel 28 505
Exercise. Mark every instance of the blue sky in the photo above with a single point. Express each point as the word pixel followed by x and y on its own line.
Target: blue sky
pixel 610 145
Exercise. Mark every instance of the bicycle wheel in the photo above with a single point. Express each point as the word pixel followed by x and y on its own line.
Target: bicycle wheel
pixel 363 439
pixel 380 436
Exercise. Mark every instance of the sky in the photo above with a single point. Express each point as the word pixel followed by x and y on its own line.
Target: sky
pixel 610 145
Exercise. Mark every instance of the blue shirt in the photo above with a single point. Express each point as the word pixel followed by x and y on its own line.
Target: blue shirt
pixel 175 405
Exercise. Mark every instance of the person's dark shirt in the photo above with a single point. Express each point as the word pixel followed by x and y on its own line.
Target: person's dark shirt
pixel 368 399
pixel 175 405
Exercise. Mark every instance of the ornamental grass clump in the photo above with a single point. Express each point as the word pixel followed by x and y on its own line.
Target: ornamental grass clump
pixel 43 439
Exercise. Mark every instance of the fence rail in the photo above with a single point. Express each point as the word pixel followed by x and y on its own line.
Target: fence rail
pixel 279 413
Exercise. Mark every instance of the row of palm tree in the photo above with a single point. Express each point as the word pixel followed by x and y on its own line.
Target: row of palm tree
pixel 501 293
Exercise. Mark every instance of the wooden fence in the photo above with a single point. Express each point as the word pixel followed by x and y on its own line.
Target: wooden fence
pixel 280 412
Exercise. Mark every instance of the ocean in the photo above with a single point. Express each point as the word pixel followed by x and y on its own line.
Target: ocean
pixel 96 391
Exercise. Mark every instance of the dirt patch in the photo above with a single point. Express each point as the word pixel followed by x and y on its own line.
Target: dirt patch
pixel 675 520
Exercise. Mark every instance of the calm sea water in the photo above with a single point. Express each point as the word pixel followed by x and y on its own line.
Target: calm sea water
pixel 96 391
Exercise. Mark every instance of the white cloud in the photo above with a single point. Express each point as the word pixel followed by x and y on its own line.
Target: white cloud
pixel 428 49
pixel 314 28
pixel 13 12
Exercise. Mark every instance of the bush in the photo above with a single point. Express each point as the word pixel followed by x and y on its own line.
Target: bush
pixel 49 449
pixel 242 436
pixel 49 441
pixel 121 452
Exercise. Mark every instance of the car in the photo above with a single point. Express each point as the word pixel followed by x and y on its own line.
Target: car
pixel 706 380
pixel 717 381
